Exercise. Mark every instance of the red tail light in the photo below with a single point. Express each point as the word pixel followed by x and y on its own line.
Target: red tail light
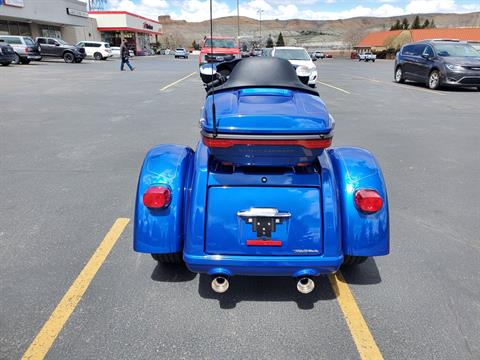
pixel 157 197
pixel 368 201
pixel 26 50
pixel 227 143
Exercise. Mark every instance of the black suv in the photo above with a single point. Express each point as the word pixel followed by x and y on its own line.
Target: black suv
pixel 58 48
pixel 7 55
pixel 439 62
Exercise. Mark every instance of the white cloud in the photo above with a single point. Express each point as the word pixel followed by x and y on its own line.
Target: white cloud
pixel 198 10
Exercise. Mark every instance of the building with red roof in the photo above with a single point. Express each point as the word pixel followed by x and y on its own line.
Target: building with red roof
pixel 383 40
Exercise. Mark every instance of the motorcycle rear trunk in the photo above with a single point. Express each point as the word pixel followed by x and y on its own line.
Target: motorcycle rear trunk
pixel 263 193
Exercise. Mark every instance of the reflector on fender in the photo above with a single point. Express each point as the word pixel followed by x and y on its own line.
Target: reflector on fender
pixel 157 197
pixel 368 201
pixel 227 143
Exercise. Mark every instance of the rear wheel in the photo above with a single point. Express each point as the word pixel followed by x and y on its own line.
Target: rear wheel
pixel 97 56
pixel 16 59
pixel 399 75
pixel 434 80
pixel 25 61
pixel 68 58
pixel 6 64
pixel 172 258
pixel 478 88
pixel 78 61
pixel 353 260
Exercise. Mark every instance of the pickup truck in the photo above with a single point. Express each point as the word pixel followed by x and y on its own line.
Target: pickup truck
pixel 219 49
pixel 367 57
pixel 52 47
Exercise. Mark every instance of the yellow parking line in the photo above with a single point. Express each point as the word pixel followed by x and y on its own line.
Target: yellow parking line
pixel 44 340
pixel 334 87
pixel 364 341
pixel 178 81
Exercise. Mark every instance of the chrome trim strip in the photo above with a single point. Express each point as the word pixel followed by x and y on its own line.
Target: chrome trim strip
pixel 263 212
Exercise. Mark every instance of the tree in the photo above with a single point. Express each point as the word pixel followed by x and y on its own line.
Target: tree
pixel 195 45
pixel 416 23
pixel 396 26
pixel 432 24
pixel 426 24
pixel 405 24
pixel 280 41
pixel 269 42
pixel 96 4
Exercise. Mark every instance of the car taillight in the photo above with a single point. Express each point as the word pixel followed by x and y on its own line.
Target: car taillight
pixel 227 143
pixel 368 201
pixel 157 197
pixel 26 50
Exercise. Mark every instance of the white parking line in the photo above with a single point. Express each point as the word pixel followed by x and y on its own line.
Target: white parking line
pixel 413 87
pixel 334 87
pixel 178 81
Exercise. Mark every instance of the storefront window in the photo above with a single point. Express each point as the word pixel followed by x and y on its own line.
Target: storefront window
pixel 51 31
pixel 3 28
pixel 144 42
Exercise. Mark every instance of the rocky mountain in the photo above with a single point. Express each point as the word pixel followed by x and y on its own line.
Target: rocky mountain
pixel 326 34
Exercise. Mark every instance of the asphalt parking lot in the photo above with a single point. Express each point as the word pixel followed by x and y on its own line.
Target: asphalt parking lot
pixel 72 139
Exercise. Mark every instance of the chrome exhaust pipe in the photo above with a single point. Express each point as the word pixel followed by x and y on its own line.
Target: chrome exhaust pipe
pixel 305 285
pixel 220 284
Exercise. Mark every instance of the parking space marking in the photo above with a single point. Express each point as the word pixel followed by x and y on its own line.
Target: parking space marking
pixel 433 92
pixel 178 81
pixel 363 338
pixel 44 340
pixel 334 87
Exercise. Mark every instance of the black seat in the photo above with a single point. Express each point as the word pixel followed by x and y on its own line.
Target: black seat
pixel 265 72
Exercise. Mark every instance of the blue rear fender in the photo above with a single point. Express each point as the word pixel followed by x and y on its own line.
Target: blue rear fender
pixel 362 234
pixel 162 231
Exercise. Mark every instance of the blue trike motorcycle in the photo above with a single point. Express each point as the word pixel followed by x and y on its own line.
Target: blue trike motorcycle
pixel 264 193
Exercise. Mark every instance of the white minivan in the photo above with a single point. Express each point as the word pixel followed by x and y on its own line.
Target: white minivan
pixel 99 50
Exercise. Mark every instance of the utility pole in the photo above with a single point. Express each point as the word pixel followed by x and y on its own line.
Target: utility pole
pixel 238 20
pixel 259 12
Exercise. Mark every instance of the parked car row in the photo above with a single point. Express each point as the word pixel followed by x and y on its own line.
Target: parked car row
pixel 25 50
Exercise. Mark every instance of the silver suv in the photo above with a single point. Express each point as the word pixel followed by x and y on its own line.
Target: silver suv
pixel 25 48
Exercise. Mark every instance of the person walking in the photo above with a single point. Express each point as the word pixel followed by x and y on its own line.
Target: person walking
pixel 125 54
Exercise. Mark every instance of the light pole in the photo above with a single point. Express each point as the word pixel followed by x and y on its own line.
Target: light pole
pixel 238 20
pixel 259 12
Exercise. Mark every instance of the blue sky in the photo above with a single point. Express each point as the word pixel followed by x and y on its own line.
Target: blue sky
pixel 197 10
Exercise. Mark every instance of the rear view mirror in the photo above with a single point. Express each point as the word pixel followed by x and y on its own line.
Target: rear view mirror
pixel 208 72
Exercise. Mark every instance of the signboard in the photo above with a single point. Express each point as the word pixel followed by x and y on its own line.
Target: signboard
pixel 17 3
pixel 75 12
pixel 147 26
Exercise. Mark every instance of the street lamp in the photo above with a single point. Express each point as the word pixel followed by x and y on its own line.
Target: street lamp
pixel 238 20
pixel 259 12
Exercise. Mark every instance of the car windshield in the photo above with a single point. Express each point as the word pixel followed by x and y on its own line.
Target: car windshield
pixel 292 54
pixel 221 43
pixel 456 50
pixel 106 45
pixel 29 41
pixel 60 41
pixel 180 50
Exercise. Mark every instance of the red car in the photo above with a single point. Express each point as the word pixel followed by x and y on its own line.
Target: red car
pixel 224 49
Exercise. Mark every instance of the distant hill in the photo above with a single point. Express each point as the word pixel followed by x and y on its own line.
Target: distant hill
pixel 326 34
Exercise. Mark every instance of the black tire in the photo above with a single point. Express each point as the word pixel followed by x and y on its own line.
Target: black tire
pixel 478 88
pixel 16 60
pixel 78 61
pixel 68 57
pixel 172 258
pixel 25 61
pixel 373 60
pixel 434 82
pixel 6 64
pixel 398 76
pixel 97 56
pixel 353 260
